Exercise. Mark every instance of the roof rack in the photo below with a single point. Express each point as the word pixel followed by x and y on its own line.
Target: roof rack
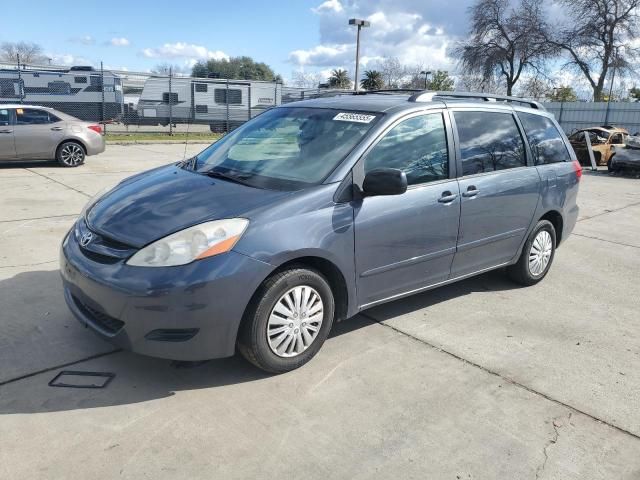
pixel 429 95
pixel 388 90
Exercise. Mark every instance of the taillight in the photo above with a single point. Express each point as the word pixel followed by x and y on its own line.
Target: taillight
pixel 578 169
pixel 96 128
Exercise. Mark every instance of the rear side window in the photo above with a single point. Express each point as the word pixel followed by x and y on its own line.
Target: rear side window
pixel 489 141
pixel 544 138
pixel 418 146
pixel 5 118
pixel 31 116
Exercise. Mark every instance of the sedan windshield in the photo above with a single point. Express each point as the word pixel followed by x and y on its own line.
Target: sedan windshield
pixel 286 148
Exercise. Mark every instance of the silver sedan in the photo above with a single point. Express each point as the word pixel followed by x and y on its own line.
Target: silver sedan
pixel 30 132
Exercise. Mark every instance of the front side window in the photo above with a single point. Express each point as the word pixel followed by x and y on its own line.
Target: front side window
pixel 31 116
pixel 489 141
pixel 418 146
pixel 287 148
pixel 544 138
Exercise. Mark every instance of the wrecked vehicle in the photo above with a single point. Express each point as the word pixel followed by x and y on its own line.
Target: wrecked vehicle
pixel 627 158
pixel 604 141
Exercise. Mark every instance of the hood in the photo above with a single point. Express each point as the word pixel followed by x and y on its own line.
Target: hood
pixel 152 205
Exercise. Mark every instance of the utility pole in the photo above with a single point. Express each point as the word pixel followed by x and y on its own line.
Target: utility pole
pixel 613 76
pixel 359 23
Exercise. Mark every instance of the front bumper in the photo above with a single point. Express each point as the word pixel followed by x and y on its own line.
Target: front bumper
pixel 199 306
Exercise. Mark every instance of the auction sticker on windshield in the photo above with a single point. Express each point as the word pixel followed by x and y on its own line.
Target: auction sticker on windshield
pixel 354 117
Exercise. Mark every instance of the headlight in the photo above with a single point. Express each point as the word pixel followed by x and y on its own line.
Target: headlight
pixel 92 201
pixel 193 243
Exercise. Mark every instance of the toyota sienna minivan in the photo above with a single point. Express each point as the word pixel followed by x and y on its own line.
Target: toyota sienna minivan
pixel 314 211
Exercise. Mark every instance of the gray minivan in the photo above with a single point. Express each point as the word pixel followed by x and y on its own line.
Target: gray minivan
pixel 314 211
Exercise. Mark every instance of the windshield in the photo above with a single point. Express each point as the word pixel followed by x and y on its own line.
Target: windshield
pixel 286 148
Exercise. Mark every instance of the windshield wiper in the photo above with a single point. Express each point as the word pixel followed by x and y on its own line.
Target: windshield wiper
pixel 241 179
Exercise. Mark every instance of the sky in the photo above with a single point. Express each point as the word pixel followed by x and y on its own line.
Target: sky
pixel 289 35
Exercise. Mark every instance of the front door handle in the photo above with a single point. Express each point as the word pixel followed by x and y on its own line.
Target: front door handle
pixel 447 197
pixel 56 129
pixel 6 131
pixel 472 191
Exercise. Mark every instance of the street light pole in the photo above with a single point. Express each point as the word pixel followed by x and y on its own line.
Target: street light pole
pixel 426 75
pixel 359 23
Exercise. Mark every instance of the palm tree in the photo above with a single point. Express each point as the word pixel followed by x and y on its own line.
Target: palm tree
pixel 339 79
pixel 372 80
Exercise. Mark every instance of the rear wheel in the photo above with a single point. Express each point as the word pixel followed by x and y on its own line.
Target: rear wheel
pixel 70 154
pixel 288 320
pixel 537 255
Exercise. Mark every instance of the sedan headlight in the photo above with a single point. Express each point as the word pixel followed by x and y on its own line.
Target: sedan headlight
pixel 193 243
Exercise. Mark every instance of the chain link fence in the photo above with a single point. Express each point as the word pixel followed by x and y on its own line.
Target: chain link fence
pixel 142 102
pixel 138 102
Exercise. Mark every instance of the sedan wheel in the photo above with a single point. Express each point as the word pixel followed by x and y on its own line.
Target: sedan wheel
pixel 70 154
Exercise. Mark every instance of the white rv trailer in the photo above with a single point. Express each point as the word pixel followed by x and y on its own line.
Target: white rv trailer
pixel 223 104
pixel 76 91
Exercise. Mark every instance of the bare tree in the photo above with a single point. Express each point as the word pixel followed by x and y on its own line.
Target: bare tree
pixel 466 82
pixel 597 35
pixel 393 71
pixel 27 52
pixel 166 68
pixel 535 87
pixel 306 79
pixel 505 40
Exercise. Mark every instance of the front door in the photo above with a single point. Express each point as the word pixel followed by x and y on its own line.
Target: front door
pixel 499 191
pixel 37 133
pixel 7 146
pixel 406 242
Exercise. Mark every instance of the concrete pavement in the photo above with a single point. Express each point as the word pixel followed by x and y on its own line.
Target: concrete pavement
pixel 480 379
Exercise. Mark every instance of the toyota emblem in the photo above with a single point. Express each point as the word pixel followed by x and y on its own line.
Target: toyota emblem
pixel 86 239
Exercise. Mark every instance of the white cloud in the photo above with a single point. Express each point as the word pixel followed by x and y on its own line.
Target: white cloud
pixel 119 42
pixel 67 59
pixel 329 5
pixel 418 32
pixel 184 50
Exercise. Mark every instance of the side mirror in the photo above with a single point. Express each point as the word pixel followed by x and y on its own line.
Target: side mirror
pixel 385 181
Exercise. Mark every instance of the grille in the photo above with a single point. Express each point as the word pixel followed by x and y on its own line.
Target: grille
pixel 102 320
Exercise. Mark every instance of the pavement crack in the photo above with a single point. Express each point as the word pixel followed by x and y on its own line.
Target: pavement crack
pixel 605 240
pixel 28 264
pixel 49 369
pixel 606 212
pixel 503 377
pixel 59 183
pixel 555 423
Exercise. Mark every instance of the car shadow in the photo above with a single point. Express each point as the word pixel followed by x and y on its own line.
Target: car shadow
pixel 7 164
pixel 138 378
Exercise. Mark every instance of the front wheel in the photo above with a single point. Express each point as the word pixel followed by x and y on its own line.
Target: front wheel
pixel 287 321
pixel 70 154
pixel 537 255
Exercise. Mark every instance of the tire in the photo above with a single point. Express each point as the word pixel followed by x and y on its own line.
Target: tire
pixel 527 272
pixel 70 154
pixel 268 312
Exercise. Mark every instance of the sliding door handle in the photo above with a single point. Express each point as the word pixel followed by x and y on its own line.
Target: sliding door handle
pixel 447 197
pixel 472 191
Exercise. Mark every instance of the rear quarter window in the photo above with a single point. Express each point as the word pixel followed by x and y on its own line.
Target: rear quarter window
pixel 544 139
